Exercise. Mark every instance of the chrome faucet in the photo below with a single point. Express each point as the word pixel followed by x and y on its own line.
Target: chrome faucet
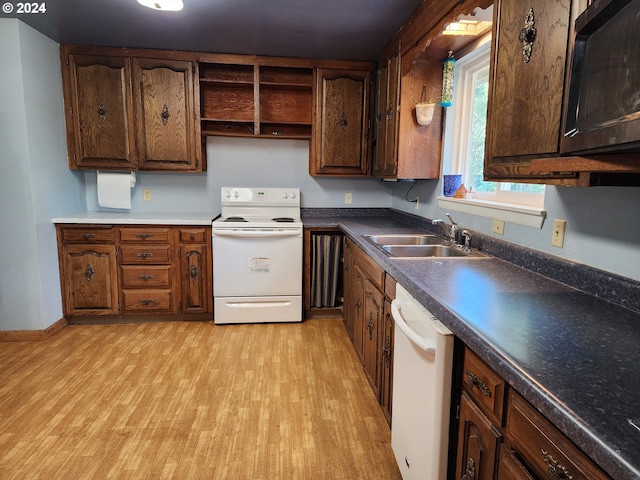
pixel 467 240
pixel 450 231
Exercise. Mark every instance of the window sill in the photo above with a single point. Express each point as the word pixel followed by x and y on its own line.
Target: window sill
pixel 509 213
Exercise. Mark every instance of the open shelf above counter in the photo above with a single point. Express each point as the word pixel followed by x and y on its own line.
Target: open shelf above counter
pixel 256 100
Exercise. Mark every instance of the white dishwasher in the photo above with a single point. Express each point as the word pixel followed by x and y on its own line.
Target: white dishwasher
pixel 422 370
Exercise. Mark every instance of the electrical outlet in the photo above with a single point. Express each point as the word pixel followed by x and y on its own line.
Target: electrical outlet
pixel 497 226
pixel 348 198
pixel 557 239
pixel 417 203
pixel 146 194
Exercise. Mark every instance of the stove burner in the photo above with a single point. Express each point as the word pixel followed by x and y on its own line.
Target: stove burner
pixel 283 219
pixel 234 219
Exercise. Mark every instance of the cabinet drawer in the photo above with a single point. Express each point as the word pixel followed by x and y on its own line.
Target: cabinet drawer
pixel 97 234
pixel 149 300
pixel 370 268
pixel 135 276
pixel 484 385
pixel 144 234
pixel 195 235
pixel 543 448
pixel 145 254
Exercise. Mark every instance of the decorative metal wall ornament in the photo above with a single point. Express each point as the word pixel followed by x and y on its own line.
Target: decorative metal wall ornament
pixel 165 115
pixel 102 112
pixel 89 272
pixel 528 35
pixel 447 81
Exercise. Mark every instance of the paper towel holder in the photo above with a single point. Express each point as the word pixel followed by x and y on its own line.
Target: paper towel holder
pixel 133 178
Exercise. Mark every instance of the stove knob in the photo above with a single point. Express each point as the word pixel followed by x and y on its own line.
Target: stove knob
pixel 293 195
pixel 236 194
pixel 285 195
pixel 227 194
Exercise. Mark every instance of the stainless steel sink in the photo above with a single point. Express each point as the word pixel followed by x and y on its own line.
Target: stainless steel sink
pixel 419 245
pixel 405 239
pixel 428 251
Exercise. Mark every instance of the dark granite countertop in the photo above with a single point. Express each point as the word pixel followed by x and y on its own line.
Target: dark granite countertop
pixel 571 354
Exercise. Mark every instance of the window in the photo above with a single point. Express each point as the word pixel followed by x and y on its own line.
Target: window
pixel 465 127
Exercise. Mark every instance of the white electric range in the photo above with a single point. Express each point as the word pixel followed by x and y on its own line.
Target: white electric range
pixel 257 256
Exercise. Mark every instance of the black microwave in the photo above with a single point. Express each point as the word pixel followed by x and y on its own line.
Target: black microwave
pixel 602 111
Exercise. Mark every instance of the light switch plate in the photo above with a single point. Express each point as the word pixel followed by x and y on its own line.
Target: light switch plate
pixel 557 239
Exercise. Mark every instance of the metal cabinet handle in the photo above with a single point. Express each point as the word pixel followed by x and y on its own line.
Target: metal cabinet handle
pixel 87 236
pixel 144 236
pixel 527 36
pixel 165 115
pixel 470 472
pixel 147 301
pixel 89 272
pixel 193 272
pixel 144 254
pixel 555 470
pixel 145 277
pixel 370 326
pixel 474 381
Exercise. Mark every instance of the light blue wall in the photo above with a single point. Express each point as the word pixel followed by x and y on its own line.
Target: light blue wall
pixel 35 184
pixel 246 162
pixel 602 229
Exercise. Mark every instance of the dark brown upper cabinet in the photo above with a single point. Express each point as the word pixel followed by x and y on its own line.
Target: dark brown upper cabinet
pixel 128 111
pixel 341 139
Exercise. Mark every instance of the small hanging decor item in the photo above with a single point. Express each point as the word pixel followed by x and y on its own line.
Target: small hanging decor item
pixel 447 81
pixel 424 109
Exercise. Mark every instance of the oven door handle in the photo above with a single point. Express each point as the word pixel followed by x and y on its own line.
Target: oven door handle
pixel 256 233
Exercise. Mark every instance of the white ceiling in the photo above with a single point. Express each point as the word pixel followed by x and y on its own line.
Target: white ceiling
pixel 339 29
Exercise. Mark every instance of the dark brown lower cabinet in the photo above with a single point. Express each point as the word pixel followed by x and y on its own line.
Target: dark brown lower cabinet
pixel 478 443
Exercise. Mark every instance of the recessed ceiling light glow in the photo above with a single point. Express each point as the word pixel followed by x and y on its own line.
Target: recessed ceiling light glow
pixel 167 5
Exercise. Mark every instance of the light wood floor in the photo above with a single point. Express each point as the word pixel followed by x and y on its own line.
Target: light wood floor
pixel 190 400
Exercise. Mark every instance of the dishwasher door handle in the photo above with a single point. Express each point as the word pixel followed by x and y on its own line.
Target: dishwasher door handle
pixel 417 340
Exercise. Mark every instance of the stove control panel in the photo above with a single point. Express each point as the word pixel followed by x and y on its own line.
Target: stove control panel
pixel 260 196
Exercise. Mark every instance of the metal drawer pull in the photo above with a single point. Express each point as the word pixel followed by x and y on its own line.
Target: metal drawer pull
pixel 148 301
pixel 474 381
pixel 144 236
pixel 555 471
pixel 145 277
pixel 144 254
pixel 87 236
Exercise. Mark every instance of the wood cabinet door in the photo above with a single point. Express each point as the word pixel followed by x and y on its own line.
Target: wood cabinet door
pixel 373 328
pixel 386 382
pixel 194 268
pixel 89 281
pixel 167 132
pixel 358 295
pixel 386 164
pixel 526 85
pixel 478 441
pixel 99 121
pixel 348 310
pixel 341 132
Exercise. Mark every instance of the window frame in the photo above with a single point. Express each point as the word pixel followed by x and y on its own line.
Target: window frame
pixel 457 126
